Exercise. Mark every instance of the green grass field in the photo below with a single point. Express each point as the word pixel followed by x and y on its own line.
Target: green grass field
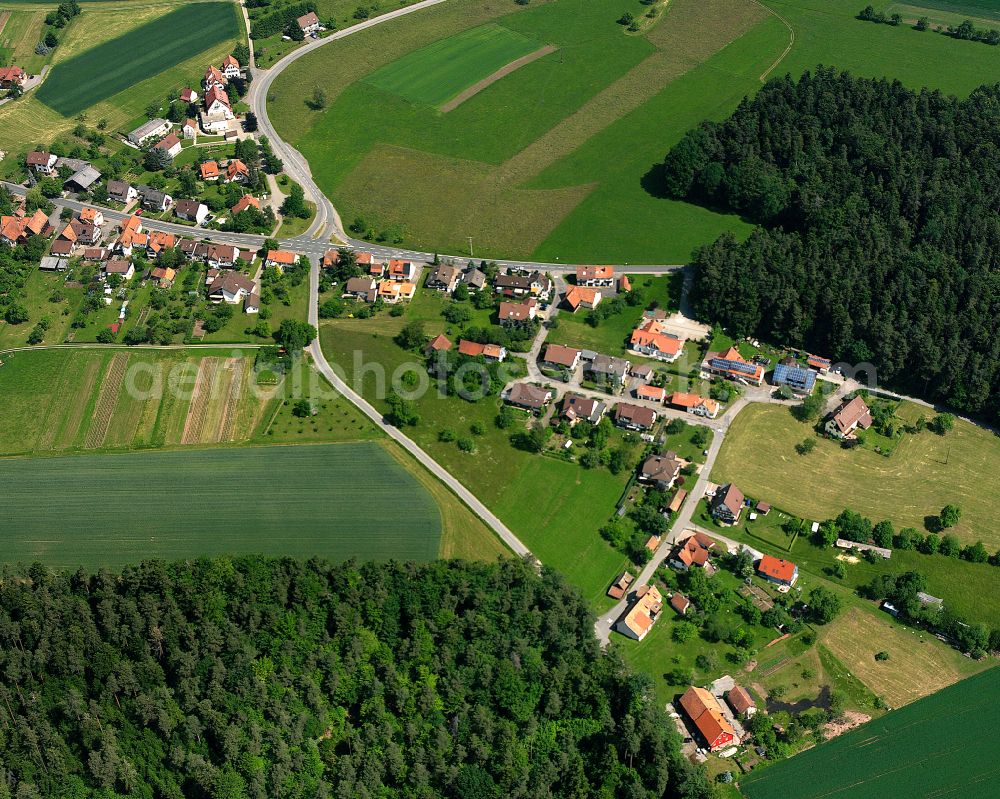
pixel 439 71
pixel 101 72
pixel 940 745
pixel 924 473
pixel 335 501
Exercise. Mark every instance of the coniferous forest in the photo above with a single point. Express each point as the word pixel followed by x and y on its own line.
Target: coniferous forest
pixel 879 214
pixel 270 678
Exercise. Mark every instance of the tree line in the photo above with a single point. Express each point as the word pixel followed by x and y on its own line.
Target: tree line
pixel 270 678
pixel 879 226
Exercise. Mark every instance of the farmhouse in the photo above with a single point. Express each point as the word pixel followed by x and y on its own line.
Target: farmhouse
pixel 705 713
pixel 607 369
pixel 209 171
pixel 218 113
pixel 731 365
pixel 559 357
pixel 170 144
pixel 651 340
pixel 797 378
pixel 41 163
pixel 12 76
pixel 121 192
pixel 14 229
pixel 439 343
pixel 851 415
pixel 634 417
pixel 651 393
pixel 882 552
pixel 582 297
pixel 309 23
pixel 83 179
pixel 529 397
pixel 279 259
pixel 620 586
pixel 777 570
pixel 693 551
pixel 660 470
pixel 152 129
pixel 741 702
pixel 602 276
pixel 693 403
pixel 61 247
pixel 680 603
pixel 576 408
pixel 517 285
pixel 192 211
pixel 727 504
pixel 644 611
pixel 246 201
pixel 362 288
pixel 443 278
pixel 391 292
pixel 473 349
pixel 514 313
pixel 231 288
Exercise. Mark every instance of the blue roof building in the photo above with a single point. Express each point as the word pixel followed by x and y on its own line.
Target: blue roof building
pixel 798 378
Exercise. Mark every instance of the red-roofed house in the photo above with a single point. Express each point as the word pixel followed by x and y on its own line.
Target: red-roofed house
pixel 230 67
pixel 560 357
pixel 695 550
pixel 246 201
pixel 237 171
pixel 170 144
pixel 189 95
pixel 640 617
pixel 603 276
pixel 439 343
pixel 651 393
pixel 651 340
pixel 777 570
pixel 309 23
pixel 727 504
pixel 279 259
pixel 851 415
pixel 474 349
pixel 12 76
pixel 582 297
pixel 741 702
pixel 209 171
pixel 706 714
pixel 694 403
pixel 732 365
pixel 189 129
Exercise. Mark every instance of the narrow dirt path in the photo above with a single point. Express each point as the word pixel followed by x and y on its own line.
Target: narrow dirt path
pixel 505 70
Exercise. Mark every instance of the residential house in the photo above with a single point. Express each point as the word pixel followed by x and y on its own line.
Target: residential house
pixel 473 349
pixel 163 275
pixel 221 256
pixel 158 242
pixel 362 288
pixel 18 227
pixel 231 287
pixel 727 504
pixel 473 278
pixel 154 128
pixel 607 369
pixel 695 404
pixel 660 470
pixel 694 551
pixel 119 266
pixel 439 343
pixel 582 297
pixel 651 393
pixel 194 250
pixel 392 292
pixel 443 278
pixel 330 259
pixel 602 276
pixel 214 79
pixel 559 357
pixel 515 313
pixel 12 76
pixel 733 366
pixel 237 171
pixel 252 303
pixel 652 340
pixel 96 254
pixel 741 702
pixel 218 112
pixel 189 95
pixel 402 271
pixel 209 171
pixel 121 192
pixel 680 603
pixel 797 378
pixel 634 417
pixel 192 211
pixel 92 216
pixel 87 233
pixel 529 397
pixel 247 201
pixel 777 570
pixel 368 261
pixel 62 247
pixel 514 284
pixel 189 130
pixel 706 715
pixel 154 199
pixel 851 415
pixel 309 23
pixel 82 180
pixel 619 588
pixel 231 67
pixel 279 259
pixel 639 618
pixel 576 407
pixel 41 163
pixel 170 144
pixel 821 364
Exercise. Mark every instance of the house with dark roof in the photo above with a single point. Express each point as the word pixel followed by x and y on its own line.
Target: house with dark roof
pixel 514 284
pixel 620 586
pixel 576 408
pixel 848 418
pixel 443 278
pixel 361 288
pixel 231 287
pixel 41 163
pixel 121 192
pixel 727 504
pixel 309 23
pixel 607 369
pixel 660 470
pixel 634 417
pixel 531 398
pixel 154 199
pixel 192 211
pixel 514 314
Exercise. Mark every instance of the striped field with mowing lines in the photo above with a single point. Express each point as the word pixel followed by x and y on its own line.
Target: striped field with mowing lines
pixel 333 501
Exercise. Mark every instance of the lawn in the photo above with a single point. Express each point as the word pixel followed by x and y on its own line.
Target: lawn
pixel 334 501
pixel 924 749
pixel 439 71
pixel 101 72
pixel 925 472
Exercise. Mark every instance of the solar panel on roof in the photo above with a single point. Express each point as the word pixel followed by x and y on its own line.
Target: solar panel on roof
pixel 734 366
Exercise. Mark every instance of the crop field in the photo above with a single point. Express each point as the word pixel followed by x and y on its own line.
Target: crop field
pixel 925 472
pixel 918 663
pixel 439 71
pixel 99 73
pixel 942 745
pixel 333 501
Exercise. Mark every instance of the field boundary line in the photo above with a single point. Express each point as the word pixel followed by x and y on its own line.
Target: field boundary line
pixel 489 80
pixel 787 50
pixel 104 409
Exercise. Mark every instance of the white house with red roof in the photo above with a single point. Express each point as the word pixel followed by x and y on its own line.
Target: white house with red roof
pixel 231 67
